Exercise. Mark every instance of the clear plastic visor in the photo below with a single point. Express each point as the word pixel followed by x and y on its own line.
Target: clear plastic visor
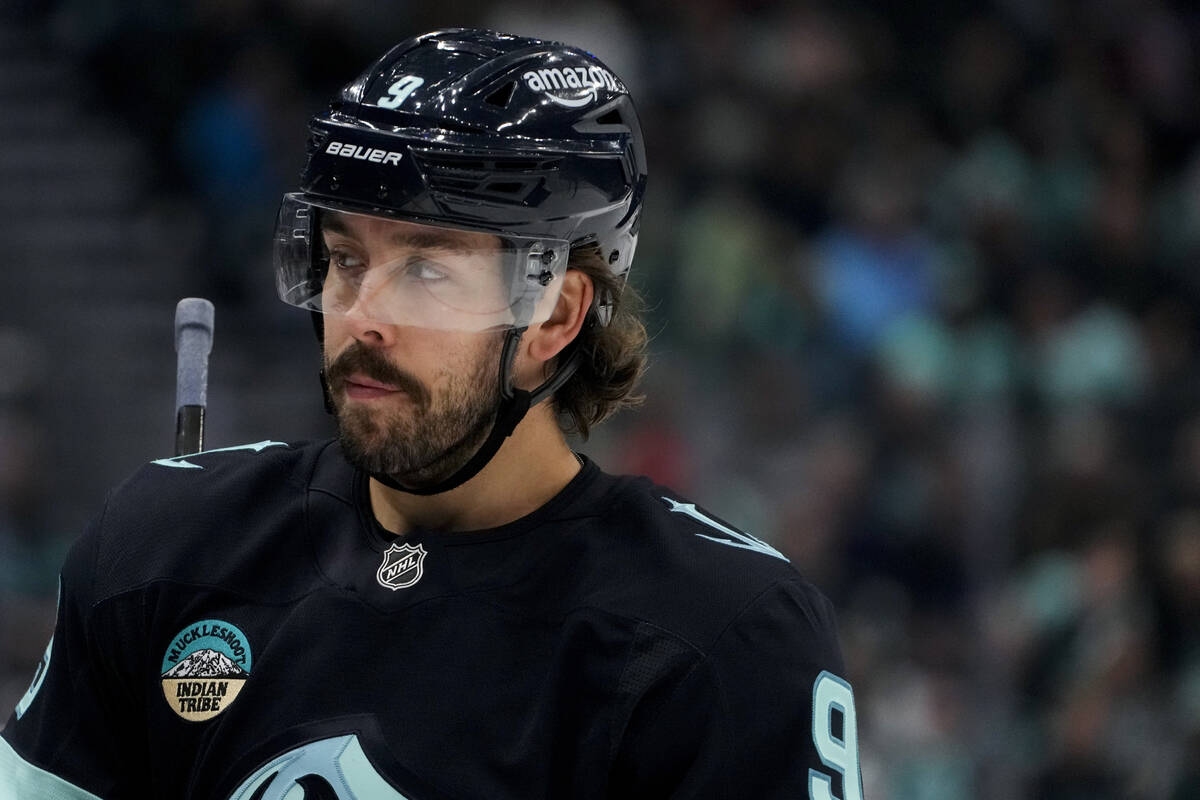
pixel 401 273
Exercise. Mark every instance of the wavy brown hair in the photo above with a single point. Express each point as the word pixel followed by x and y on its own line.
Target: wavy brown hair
pixel 614 355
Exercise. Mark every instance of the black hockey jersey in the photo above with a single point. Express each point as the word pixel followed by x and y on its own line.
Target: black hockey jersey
pixel 237 625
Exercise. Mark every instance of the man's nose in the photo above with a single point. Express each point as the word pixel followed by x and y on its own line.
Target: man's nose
pixel 371 317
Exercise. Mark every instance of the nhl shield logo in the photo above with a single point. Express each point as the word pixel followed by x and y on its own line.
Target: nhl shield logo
pixel 401 567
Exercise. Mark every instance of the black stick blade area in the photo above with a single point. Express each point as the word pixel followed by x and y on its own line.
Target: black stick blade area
pixel 189 430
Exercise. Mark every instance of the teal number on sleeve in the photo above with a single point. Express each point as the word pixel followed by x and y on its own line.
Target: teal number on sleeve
pixel 839 754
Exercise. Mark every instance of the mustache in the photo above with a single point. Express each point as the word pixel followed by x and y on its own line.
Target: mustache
pixel 357 359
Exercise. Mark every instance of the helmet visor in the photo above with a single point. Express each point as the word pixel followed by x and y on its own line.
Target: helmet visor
pixel 396 272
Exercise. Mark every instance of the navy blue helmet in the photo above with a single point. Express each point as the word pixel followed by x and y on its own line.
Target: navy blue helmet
pixel 481 131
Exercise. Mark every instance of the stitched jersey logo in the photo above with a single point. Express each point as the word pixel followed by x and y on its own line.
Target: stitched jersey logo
pixel 204 669
pixel 328 769
pixel 402 566
pixel 732 538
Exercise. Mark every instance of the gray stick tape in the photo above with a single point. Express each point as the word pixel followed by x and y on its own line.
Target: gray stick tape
pixel 193 343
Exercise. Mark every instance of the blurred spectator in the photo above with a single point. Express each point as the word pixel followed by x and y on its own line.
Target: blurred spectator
pixel 237 145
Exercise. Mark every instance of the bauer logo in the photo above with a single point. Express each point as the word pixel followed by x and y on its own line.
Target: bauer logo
pixel 402 566
pixel 357 151
pixel 572 86
pixel 204 669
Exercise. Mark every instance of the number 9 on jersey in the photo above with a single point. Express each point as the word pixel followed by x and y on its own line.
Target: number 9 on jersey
pixel 840 754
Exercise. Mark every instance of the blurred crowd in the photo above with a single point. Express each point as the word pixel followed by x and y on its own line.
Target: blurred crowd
pixel 924 312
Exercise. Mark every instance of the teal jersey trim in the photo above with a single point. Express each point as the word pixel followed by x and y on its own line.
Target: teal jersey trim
pixel 38 678
pixel 43 667
pixel 20 780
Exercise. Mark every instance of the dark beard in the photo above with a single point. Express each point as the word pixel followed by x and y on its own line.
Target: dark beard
pixel 424 444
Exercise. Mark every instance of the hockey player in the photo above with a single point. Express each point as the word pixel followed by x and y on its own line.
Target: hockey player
pixel 446 601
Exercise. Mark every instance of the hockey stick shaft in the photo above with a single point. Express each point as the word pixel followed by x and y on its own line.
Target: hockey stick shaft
pixel 193 342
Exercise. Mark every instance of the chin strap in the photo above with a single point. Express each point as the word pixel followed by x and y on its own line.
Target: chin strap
pixel 514 404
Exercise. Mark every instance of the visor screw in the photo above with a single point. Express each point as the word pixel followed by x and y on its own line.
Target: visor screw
pixel 545 277
pixel 383 191
pixel 548 257
pixel 335 183
pixel 613 256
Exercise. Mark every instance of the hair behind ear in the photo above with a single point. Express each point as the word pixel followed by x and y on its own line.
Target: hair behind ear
pixel 613 355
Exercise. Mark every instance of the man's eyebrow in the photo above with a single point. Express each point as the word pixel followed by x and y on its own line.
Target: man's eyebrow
pixel 432 240
pixel 333 221
pixel 424 239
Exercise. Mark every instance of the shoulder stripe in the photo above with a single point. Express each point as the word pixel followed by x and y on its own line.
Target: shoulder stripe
pixel 181 462
pixel 20 780
pixel 732 538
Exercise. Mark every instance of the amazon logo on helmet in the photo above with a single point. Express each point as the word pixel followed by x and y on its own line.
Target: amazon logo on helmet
pixel 584 81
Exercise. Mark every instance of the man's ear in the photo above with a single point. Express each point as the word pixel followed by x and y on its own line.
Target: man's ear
pixel 547 339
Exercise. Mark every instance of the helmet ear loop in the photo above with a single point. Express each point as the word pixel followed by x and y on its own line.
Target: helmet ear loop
pixel 508 354
pixel 318 269
pixel 566 368
pixel 318 323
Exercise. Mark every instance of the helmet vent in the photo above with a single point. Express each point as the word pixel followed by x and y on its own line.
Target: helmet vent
pixel 612 117
pixel 511 179
pixel 502 96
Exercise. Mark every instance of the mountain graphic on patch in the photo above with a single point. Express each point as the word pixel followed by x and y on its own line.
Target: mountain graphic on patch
pixel 206 663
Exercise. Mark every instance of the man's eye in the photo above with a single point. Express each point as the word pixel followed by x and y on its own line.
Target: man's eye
pixel 424 270
pixel 343 259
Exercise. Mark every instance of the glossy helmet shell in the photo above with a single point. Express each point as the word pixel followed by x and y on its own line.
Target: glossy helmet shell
pixel 485 131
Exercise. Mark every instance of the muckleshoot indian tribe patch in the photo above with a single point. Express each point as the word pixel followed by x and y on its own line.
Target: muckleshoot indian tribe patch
pixel 204 669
